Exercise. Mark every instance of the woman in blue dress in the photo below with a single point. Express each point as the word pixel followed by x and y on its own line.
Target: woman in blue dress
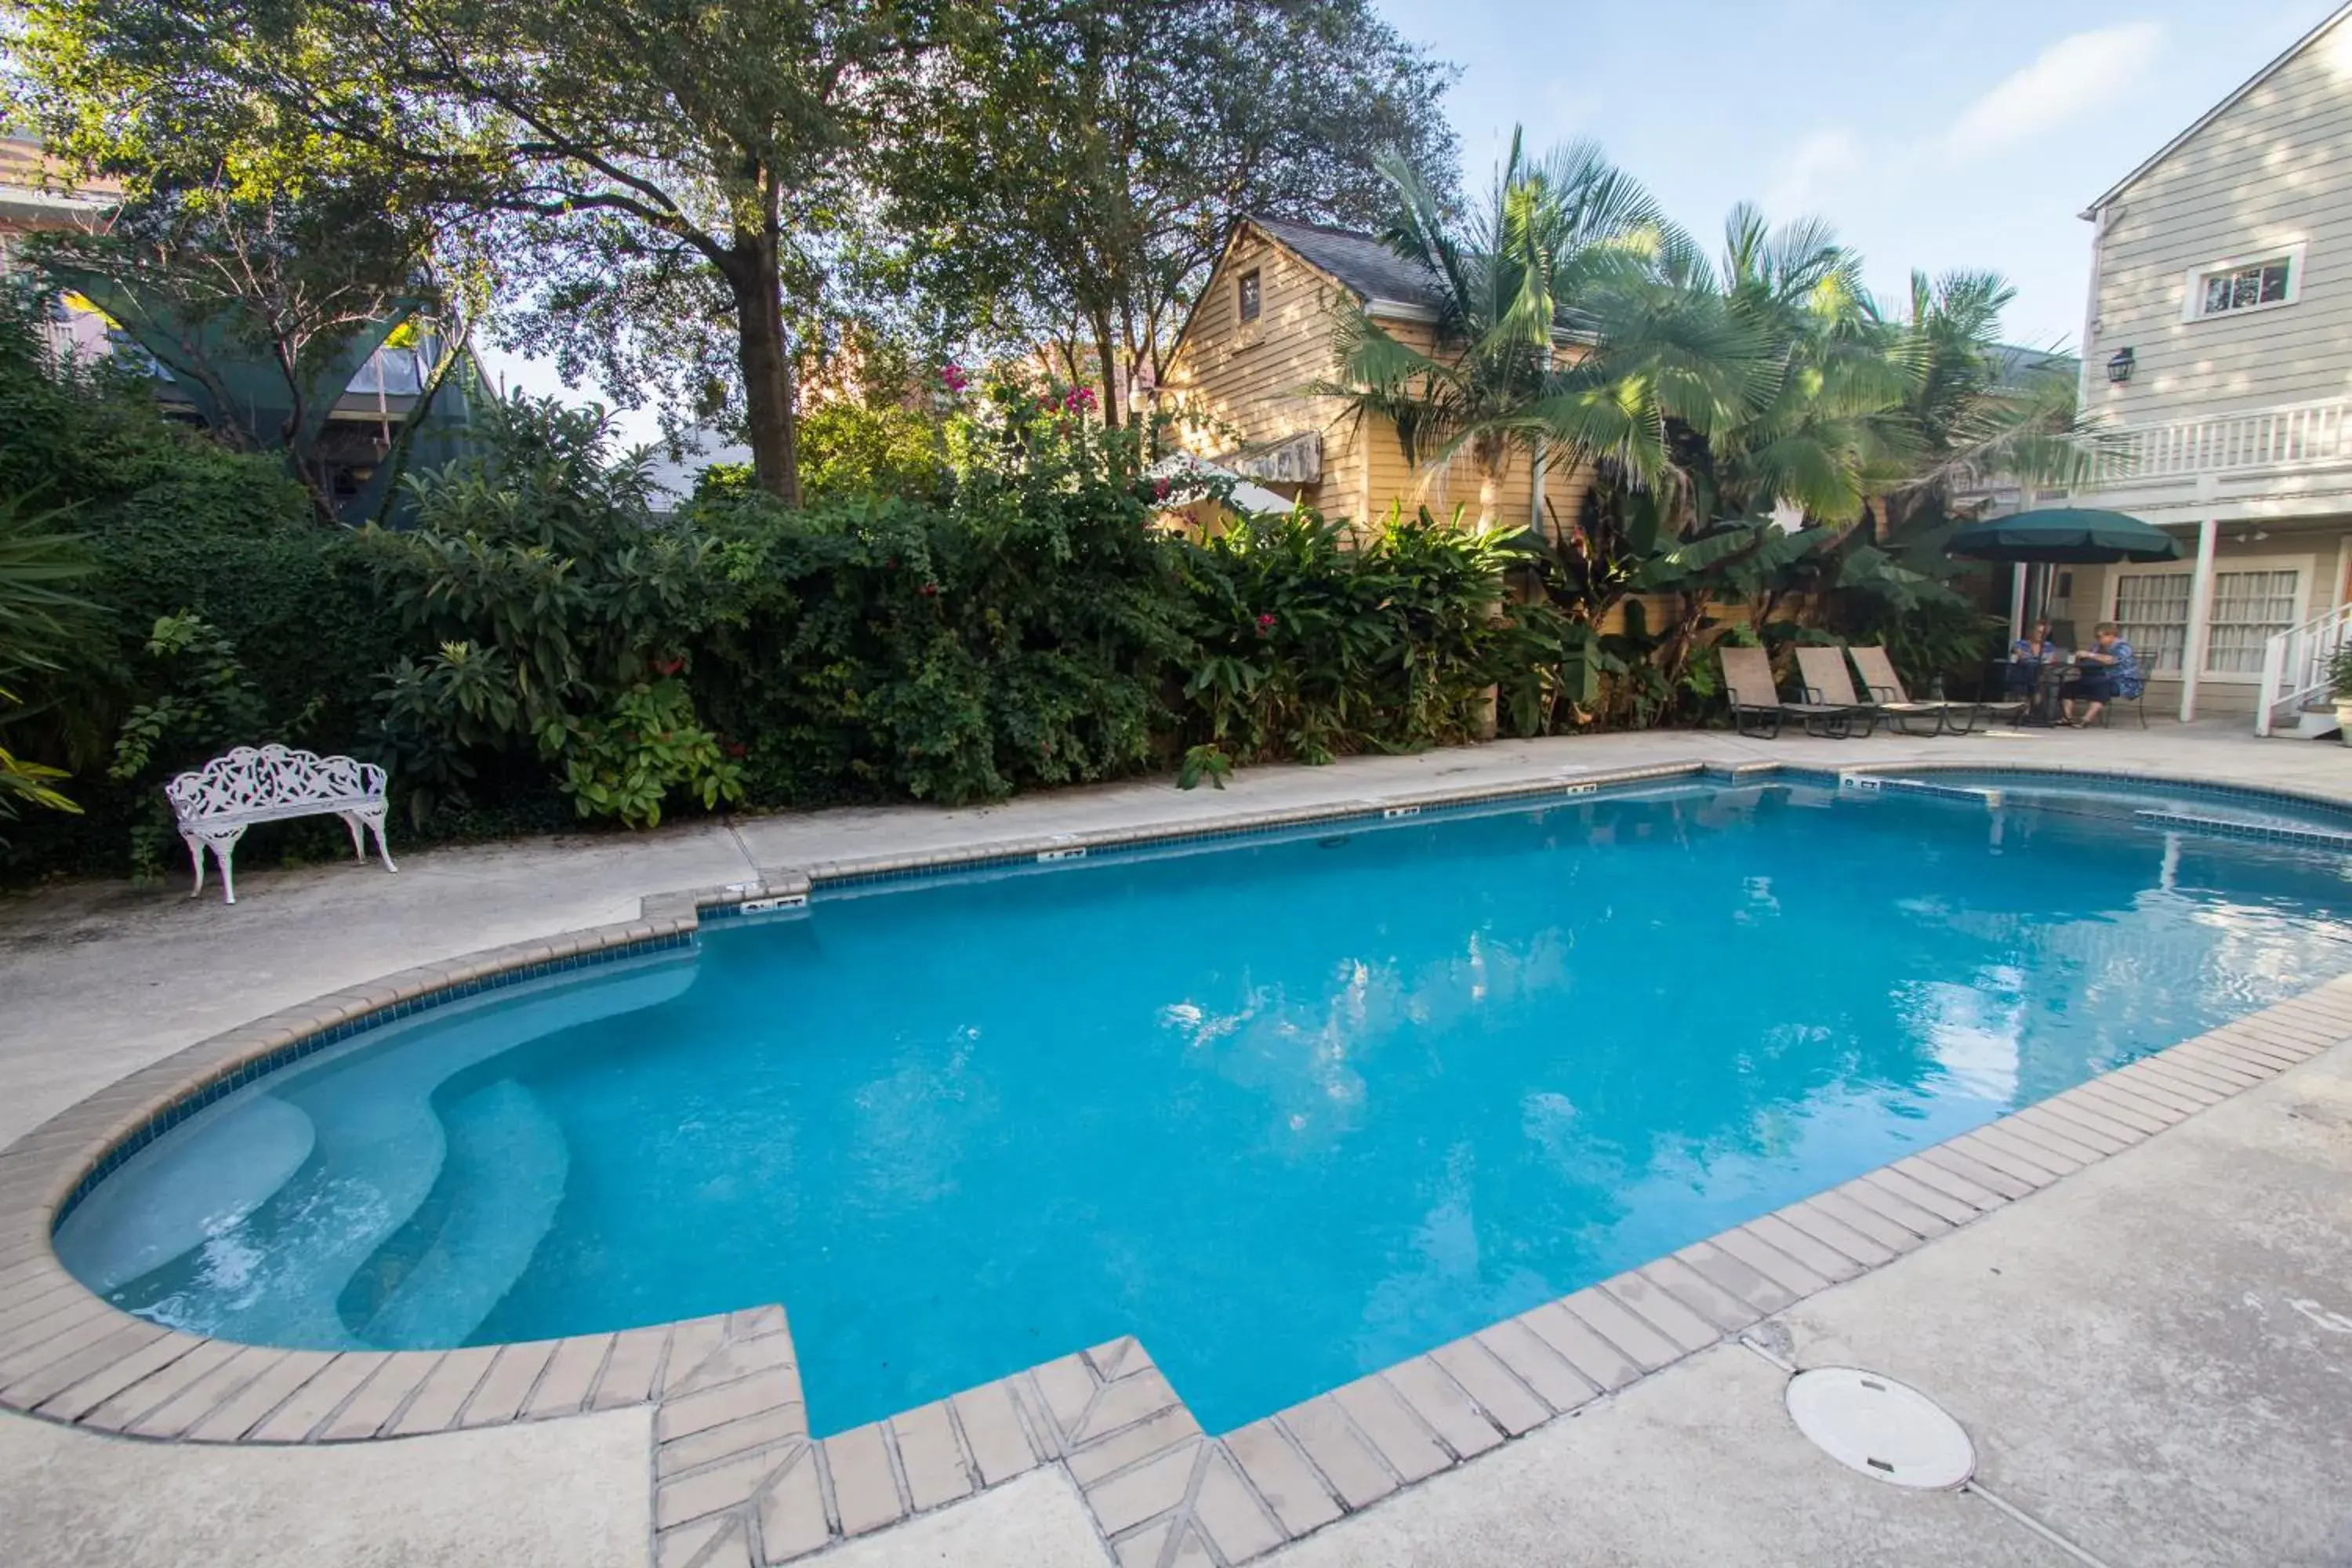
pixel 2104 671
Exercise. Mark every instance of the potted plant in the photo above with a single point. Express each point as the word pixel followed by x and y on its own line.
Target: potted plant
pixel 2339 685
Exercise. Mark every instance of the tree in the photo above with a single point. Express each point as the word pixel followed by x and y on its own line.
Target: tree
pixel 1071 171
pixel 1554 333
pixel 1979 408
pixel 262 307
pixel 664 155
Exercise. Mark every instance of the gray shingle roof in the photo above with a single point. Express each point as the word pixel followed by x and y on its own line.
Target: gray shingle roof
pixel 1358 261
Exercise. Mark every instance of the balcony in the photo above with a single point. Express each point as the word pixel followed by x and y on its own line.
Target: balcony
pixel 2290 460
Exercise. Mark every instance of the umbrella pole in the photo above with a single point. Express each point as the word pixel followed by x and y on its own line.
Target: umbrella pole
pixel 2018 574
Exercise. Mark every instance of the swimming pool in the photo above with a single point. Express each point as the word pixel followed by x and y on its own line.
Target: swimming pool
pixel 1288 1108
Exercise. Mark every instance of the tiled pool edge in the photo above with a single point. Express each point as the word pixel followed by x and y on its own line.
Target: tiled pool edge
pixel 737 1478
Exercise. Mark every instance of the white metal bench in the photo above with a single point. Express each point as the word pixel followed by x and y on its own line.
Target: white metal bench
pixel 218 802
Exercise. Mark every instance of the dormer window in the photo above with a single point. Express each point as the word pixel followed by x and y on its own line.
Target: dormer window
pixel 1248 294
pixel 2244 283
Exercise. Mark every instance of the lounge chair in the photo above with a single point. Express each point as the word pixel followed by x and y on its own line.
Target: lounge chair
pixel 1756 705
pixel 1878 677
pixel 1827 684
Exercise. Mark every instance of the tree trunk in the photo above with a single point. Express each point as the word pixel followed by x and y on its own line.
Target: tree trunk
pixel 1105 354
pixel 766 362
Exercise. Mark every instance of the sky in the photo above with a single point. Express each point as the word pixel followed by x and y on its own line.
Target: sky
pixel 1934 134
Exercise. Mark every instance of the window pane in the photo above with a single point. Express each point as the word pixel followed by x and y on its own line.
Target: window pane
pixel 2152 608
pixel 2217 294
pixel 2245 288
pixel 2249 609
pixel 2274 281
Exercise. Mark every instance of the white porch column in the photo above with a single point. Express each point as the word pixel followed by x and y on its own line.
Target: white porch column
pixel 2200 616
pixel 2018 574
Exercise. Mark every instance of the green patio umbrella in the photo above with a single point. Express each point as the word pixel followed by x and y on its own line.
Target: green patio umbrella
pixel 2064 534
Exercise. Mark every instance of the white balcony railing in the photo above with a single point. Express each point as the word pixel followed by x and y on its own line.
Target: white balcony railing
pixel 2292 435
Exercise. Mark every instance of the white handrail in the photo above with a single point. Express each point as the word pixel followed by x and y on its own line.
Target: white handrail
pixel 2294 664
pixel 2290 436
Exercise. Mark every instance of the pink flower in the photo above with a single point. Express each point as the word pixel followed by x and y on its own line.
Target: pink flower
pixel 1080 397
pixel 954 377
pixel 1159 490
pixel 931 590
pixel 1265 624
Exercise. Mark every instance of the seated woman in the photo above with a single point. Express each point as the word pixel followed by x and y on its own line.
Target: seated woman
pixel 2104 671
pixel 2035 645
pixel 2026 655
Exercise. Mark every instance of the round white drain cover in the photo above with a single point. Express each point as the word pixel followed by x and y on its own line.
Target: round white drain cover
pixel 1881 1427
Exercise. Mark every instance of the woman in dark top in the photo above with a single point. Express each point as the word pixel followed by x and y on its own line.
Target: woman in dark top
pixel 2026 657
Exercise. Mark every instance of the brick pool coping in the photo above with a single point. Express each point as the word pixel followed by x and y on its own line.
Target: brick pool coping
pixel 737 1480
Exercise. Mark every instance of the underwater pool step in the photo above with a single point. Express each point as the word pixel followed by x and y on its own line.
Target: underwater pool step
pixel 501 1181
pixel 205 1187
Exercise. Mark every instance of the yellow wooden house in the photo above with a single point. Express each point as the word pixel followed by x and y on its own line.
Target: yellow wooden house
pixel 1262 334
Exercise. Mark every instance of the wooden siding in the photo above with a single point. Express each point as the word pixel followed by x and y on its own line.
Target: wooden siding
pixel 2272 171
pixel 1247 380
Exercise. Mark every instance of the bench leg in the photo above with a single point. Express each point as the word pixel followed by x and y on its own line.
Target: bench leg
pixel 359 842
pixel 222 842
pixel 373 816
pixel 196 860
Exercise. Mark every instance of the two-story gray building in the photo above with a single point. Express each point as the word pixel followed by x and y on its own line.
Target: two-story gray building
pixel 2219 345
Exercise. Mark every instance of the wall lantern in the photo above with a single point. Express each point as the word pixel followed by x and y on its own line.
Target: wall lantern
pixel 2119 365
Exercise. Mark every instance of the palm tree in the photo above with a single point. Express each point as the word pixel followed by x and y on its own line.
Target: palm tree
pixel 1814 440
pixel 1553 335
pixel 1980 409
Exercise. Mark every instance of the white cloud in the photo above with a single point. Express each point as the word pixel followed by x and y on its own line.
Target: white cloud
pixel 2070 79
pixel 1817 166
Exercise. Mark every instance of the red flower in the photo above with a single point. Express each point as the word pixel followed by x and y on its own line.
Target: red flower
pixel 736 748
pixel 669 667
pixel 1079 398
pixel 1159 490
pixel 931 590
pixel 954 377
pixel 1265 624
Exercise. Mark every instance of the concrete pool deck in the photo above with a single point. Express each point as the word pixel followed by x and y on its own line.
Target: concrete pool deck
pixel 2217 1329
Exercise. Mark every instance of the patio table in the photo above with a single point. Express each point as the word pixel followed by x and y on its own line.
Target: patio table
pixel 2039 679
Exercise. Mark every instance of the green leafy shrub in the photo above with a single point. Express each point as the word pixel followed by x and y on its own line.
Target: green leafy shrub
pixel 1312 643
pixel 1016 630
pixel 558 608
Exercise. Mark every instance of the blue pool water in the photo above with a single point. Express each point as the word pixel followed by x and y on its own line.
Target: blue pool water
pixel 1289 1107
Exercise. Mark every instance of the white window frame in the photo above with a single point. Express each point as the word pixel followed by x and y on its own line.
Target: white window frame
pixel 2303 566
pixel 2192 282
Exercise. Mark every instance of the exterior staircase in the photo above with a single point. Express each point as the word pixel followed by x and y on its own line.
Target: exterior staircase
pixel 2297 698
